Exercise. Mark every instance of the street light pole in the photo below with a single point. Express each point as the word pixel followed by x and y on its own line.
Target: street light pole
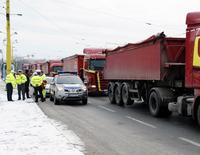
pixel 2 56
pixel 8 46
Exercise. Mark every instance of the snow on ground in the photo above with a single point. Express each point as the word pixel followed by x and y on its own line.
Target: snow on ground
pixel 25 130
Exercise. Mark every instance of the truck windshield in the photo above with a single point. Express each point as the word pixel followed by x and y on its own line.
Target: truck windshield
pixel 69 80
pixel 96 64
pixel 57 68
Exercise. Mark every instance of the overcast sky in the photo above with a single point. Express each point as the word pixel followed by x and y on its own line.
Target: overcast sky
pixel 60 28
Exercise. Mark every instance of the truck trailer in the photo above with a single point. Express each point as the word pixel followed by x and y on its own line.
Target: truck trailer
pixel 74 64
pixel 161 71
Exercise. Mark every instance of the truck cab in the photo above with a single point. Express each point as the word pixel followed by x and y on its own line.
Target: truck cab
pixel 94 61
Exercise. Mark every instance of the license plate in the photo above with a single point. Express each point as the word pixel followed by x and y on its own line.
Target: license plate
pixel 73 95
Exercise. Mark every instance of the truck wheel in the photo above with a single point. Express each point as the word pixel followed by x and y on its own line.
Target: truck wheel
pixel 157 105
pixel 84 101
pixel 56 102
pixel 154 104
pixel 126 98
pixel 118 96
pixel 111 94
pixel 198 115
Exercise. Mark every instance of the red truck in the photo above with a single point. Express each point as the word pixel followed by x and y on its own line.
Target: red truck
pixel 89 67
pixel 51 67
pixel 26 66
pixel 161 71
pixel 94 61
pixel 35 66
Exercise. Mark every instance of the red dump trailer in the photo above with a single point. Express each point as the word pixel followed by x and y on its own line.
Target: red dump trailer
pixel 73 64
pixel 161 71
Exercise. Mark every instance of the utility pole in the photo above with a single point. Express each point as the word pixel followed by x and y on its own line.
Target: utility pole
pixel 8 46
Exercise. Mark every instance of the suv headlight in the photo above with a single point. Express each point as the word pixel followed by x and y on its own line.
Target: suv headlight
pixel 60 88
pixel 84 88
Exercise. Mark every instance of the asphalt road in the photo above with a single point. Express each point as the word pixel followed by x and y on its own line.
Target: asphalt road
pixel 108 129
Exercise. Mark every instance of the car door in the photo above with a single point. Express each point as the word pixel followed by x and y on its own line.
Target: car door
pixel 52 86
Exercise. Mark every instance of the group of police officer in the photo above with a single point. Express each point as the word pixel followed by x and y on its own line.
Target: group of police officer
pixel 22 81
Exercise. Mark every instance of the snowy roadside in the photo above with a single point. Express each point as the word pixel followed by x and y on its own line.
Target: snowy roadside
pixel 25 130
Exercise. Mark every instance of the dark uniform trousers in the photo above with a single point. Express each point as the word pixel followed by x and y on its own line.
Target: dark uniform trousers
pixel 38 92
pixel 21 89
pixel 9 89
pixel 27 90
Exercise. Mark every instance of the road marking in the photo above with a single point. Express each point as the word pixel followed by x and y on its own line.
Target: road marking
pixel 105 108
pixel 189 141
pixel 141 122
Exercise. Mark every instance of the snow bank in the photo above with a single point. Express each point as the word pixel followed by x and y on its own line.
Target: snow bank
pixel 24 129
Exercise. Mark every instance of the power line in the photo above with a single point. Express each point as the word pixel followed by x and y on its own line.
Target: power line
pixel 55 25
pixel 129 19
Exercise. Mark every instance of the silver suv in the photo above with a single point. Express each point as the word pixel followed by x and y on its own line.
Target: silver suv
pixel 68 87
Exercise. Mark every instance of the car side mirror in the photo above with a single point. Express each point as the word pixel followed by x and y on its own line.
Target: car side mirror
pixel 85 82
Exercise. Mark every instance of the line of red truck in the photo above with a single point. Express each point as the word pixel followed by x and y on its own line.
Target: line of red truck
pixel 160 71
pixel 88 66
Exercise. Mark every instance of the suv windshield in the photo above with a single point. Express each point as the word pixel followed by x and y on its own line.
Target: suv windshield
pixel 69 80
pixel 49 79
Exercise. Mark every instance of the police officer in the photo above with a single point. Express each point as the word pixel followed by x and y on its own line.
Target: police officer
pixel 20 80
pixel 36 82
pixel 44 82
pixel 27 74
pixel 43 75
pixel 10 84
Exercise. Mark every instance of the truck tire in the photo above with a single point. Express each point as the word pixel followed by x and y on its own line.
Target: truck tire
pixel 56 102
pixel 111 94
pixel 157 106
pixel 198 115
pixel 118 96
pixel 126 97
pixel 154 104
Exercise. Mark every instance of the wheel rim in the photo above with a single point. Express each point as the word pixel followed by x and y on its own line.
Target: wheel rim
pixel 153 104
pixel 125 94
pixel 110 93
pixel 117 95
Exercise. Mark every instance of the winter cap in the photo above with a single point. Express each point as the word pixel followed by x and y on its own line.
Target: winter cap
pixel 35 73
pixel 38 71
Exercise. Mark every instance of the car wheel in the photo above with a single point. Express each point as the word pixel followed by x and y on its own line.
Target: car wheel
pixel 51 97
pixel 84 101
pixel 56 102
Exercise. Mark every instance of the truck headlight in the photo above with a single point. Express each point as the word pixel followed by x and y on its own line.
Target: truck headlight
pixel 93 86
